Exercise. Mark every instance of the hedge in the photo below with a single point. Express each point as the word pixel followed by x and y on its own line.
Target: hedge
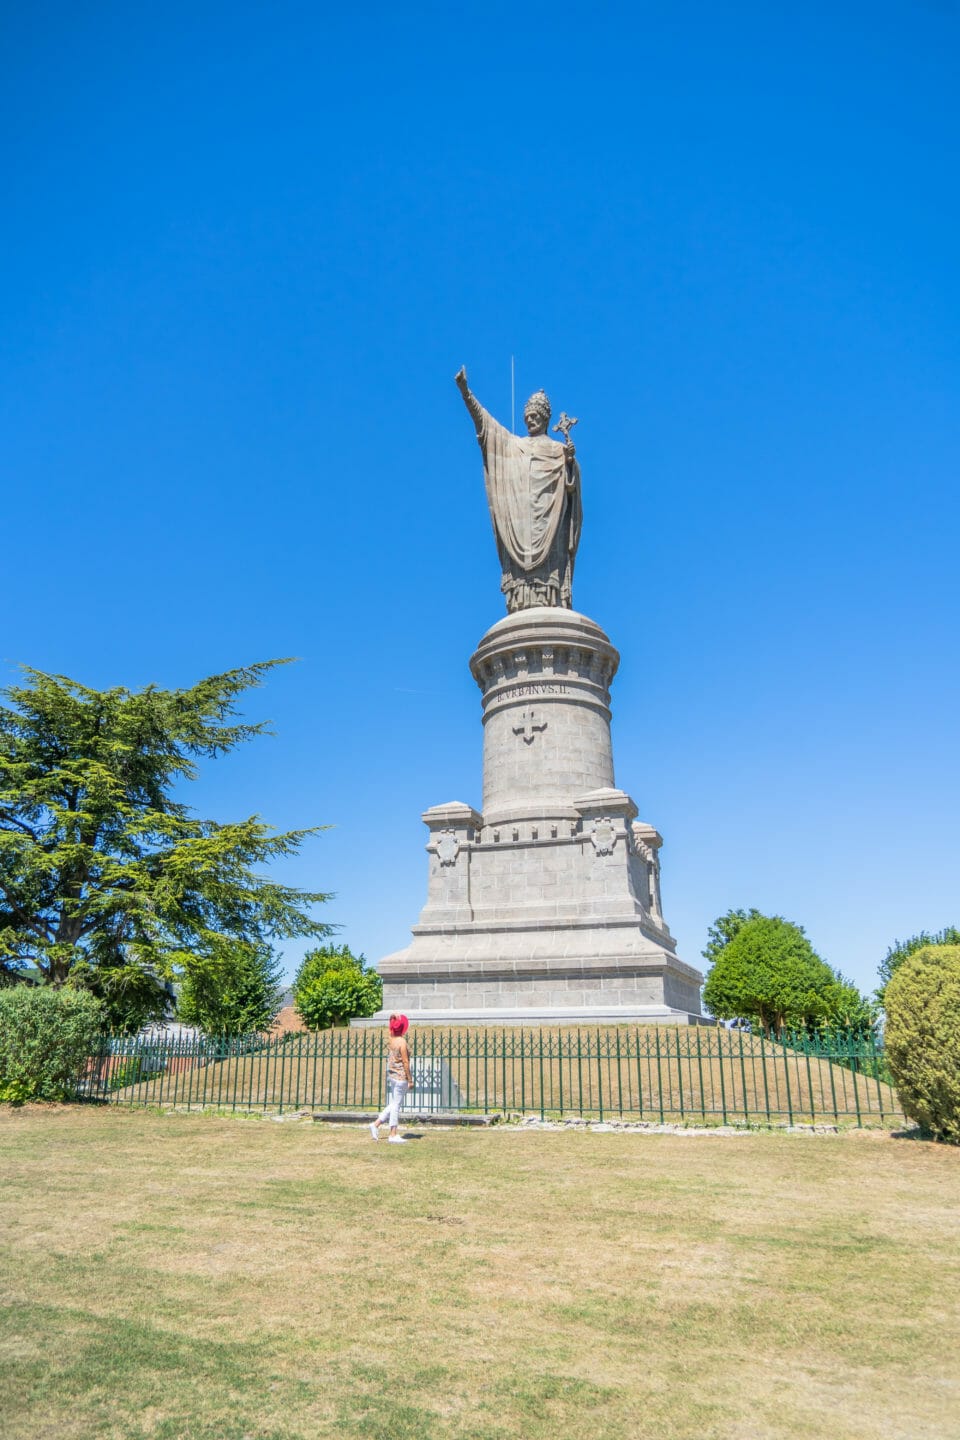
pixel 46 1038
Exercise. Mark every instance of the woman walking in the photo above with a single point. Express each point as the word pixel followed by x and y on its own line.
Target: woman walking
pixel 399 1079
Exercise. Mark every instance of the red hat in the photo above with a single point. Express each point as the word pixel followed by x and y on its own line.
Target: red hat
pixel 399 1024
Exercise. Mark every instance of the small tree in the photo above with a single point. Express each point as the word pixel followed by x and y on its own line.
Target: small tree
pixel 106 881
pixel 46 1038
pixel 770 973
pixel 922 1038
pixel 900 950
pixel 235 991
pixel 333 986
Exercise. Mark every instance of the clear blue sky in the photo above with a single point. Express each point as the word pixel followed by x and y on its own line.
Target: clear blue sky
pixel 246 246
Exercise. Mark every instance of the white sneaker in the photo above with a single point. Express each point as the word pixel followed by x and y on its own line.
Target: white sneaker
pixel 374 1130
pixel 396 1140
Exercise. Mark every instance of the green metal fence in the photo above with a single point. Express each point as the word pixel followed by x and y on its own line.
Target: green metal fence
pixel 616 1072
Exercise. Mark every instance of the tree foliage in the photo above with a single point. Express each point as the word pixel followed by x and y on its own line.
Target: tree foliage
pixel 46 1038
pixel 234 991
pixel 922 1037
pixel 333 986
pixel 107 880
pixel 769 973
pixel 900 950
pixel 724 929
pixel 131 995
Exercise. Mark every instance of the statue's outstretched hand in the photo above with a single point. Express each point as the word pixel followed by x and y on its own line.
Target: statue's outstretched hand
pixel 461 378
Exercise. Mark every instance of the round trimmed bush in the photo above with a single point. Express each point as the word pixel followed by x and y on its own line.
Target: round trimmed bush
pixel 333 985
pixel 923 1038
pixel 770 973
pixel 336 996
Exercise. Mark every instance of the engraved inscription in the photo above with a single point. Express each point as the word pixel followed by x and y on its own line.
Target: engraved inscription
pixel 538 688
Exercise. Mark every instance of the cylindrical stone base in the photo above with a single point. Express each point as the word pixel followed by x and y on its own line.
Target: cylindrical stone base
pixel 545 676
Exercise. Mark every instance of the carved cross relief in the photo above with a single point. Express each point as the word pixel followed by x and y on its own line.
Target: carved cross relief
pixel 529 726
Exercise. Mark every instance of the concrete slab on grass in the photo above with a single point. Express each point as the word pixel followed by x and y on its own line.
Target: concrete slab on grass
pixel 408 1117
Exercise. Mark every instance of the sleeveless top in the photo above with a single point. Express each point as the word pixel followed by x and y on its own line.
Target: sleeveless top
pixel 395 1067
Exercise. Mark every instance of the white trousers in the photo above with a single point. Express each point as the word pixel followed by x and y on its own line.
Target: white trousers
pixel 396 1089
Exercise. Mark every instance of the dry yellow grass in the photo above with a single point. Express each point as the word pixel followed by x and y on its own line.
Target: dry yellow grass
pixel 167 1275
pixel 650 1073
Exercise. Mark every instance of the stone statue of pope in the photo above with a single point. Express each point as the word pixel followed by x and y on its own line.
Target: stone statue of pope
pixel 533 491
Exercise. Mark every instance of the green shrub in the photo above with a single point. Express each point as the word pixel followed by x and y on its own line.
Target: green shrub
pixel 46 1038
pixel 333 985
pixel 923 1038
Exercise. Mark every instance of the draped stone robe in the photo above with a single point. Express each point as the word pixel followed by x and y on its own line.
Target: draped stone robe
pixel 534 500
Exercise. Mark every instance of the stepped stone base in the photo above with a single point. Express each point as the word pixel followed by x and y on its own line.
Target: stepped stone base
pixel 443 980
pixel 544 908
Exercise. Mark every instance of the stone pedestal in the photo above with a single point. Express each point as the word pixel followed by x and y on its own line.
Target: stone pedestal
pixel 544 907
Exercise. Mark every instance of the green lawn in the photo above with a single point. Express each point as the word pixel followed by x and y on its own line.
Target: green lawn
pixel 171 1275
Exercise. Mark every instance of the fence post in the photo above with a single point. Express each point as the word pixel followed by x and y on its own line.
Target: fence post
pixel 559 1067
pixel 659 1075
pixel 580 1071
pixel 180 1072
pixel 763 1066
pixel 219 1080
pixel 619 1075
pixel 283 1065
pixel 743 1078
pixel 202 1063
pixel 489 1079
pixel 833 1084
pixel 876 1072
pixel 853 1066
pixel 722 1067
pixel 813 1110
pixel 786 1075
pixel 599 1075
pixel 523 1072
pixel 296 1038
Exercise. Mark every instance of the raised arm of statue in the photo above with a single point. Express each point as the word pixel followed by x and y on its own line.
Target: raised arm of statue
pixel 469 399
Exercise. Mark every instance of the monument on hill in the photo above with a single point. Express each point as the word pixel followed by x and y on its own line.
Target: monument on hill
pixel 543 907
